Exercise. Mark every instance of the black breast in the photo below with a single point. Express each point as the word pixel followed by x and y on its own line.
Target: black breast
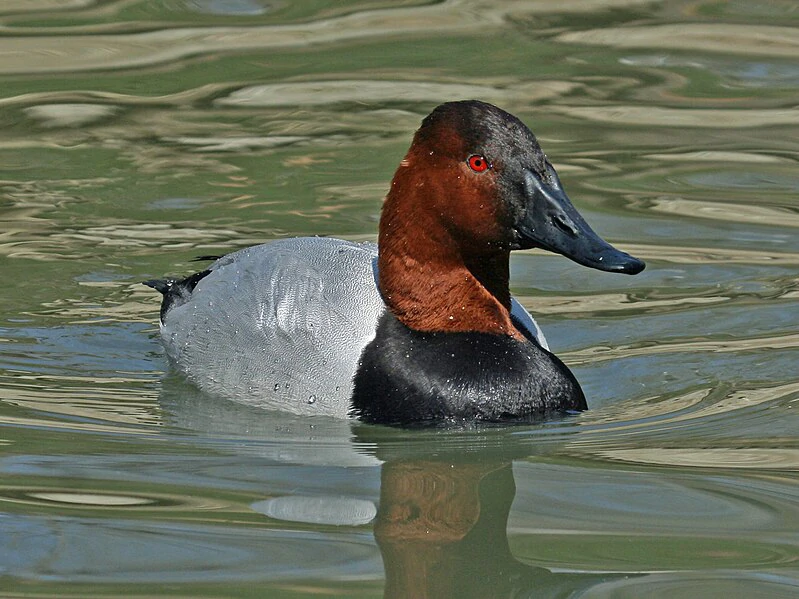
pixel 412 377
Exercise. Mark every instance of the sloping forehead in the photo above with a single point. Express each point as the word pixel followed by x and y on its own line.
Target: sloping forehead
pixel 457 129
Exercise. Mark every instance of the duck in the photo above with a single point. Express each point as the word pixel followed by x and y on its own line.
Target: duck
pixel 420 328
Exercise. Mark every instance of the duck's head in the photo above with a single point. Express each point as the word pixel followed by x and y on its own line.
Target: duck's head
pixel 476 177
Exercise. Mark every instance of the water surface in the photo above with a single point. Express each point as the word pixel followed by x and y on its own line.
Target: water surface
pixel 135 136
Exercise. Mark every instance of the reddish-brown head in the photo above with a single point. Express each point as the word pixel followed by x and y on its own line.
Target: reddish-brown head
pixel 455 171
pixel 473 186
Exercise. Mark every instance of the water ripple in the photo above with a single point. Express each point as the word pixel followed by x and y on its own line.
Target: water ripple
pixel 685 585
pixel 757 40
pixel 661 116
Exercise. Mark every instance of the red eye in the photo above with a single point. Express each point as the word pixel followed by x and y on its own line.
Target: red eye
pixel 478 163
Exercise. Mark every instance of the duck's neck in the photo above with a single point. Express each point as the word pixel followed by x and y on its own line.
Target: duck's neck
pixel 429 281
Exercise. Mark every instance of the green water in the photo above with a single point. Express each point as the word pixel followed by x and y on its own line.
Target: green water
pixel 136 135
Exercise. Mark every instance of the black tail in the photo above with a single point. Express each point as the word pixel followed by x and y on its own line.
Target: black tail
pixel 161 285
pixel 175 292
pixel 206 258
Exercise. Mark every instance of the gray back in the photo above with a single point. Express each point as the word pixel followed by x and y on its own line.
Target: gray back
pixel 280 325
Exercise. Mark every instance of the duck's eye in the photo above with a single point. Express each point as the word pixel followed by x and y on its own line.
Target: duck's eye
pixel 478 163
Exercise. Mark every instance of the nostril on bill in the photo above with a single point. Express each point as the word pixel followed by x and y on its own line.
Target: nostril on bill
pixel 564 226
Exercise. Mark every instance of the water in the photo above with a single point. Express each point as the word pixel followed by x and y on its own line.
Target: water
pixel 137 135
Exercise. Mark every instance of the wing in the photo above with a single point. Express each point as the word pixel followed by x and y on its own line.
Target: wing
pixel 279 325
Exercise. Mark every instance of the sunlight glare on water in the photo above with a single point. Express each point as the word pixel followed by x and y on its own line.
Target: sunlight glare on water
pixel 136 136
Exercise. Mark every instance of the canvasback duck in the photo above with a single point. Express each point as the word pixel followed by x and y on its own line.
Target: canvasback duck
pixel 419 329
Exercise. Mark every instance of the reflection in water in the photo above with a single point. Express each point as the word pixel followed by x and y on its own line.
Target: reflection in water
pixel 428 524
pixel 137 135
pixel 247 495
pixel 335 511
pixel 442 532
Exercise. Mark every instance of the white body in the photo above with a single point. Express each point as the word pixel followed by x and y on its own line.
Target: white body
pixel 282 325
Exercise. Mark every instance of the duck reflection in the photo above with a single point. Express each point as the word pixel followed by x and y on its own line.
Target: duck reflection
pixel 444 497
pixel 442 531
